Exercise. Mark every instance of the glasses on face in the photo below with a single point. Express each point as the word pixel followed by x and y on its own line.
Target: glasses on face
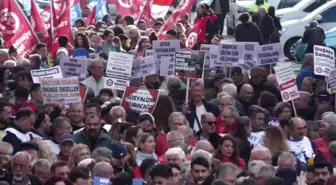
pixel 210 122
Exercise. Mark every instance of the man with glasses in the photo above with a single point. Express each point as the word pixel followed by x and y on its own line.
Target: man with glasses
pixel 209 129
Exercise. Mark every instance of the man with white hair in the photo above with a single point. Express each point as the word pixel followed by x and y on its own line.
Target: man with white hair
pixel 254 167
pixel 227 172
pixel 231 89
pixel 103 169
pixel 266 172
pixel 175 156
pixel 20 168
pixel 227 122
pixel 261 153
pixel 96 81
pixel 175 120
pixel 203 145
pixel 328 118
pixel 134 34
pixel 271 79
pixel 23 62
pixel 287 160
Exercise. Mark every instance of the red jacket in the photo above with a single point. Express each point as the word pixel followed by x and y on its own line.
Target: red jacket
pixel 161 144
pixel 213 18
pixel 241 163
pixel 320 143
pixel 203 27
pixel 220 129
pixel 324 151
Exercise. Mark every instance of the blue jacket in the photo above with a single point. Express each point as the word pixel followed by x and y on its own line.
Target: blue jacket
pixel 305 72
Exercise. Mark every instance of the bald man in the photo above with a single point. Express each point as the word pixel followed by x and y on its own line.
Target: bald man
pixel 245 96
pixel 103 169
pixel 261 153
pixel 204 145
pixel 271 79
pixel 189 140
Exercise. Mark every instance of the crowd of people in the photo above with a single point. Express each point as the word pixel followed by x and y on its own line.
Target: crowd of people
pixel 235 128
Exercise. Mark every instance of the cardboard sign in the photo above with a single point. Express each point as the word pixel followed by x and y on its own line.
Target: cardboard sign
pixel 38 74
pixel 147 66
pixel 149 52
pixel 136 73
pixel 54 90
pixel 331 82
pixel 167 66
pixel 250 56
pixel 101 27
pixel 324 60
pixel 189 64
pixel 287 81
pixel 140 100
pixel 214 60
pixel 270 54
pixel 74 67
pixel 232 53
pixel 206 48
pixel 118 70
pixel 165 48
pixel 101 181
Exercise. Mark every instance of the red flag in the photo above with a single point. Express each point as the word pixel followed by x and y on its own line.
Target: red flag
pixel 146 14
pixel 36 22
pixel 45 16
pixel 91 19
pixel 183 8
pixel 128 7
pixel 192 36
pixel 161 7
pixel 16 29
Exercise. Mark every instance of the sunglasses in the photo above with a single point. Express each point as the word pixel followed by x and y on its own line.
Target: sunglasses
pixel 210 122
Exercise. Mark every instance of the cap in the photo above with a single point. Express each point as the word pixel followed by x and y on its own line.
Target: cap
pixel 323 96
pixel 28 145
pixel 66 137
pixel 287 174
pixel 256 71
pixel 236 71
pixel 119 151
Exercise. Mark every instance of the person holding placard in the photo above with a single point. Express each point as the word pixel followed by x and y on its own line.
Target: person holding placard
pixel 96 81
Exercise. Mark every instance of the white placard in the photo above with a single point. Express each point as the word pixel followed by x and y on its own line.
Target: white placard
pixel 165 48
pixel 214 60
pixel 136 73
pixel 250 56
pixel 331 82
pixel 206 48
pixel 147 66
pixel 149 52
pixel 270 54
pixel 232 53
pixel 324 60
pixel 287 81
pixel 74 67
pixel 118 70
pixel 54 72
pixel 167 66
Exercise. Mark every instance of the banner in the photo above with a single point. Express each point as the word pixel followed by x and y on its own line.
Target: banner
pixel 118 70
pixel 192 36
pixel 189 64
pixel 101 181
pixel 16 30
pixel 331 82
pixel 45 16
pixel 74 67
pixel 160 7
pixel 38 74
pixel 147 66
pixel 270 54
pixel 167 66
pixel 164 48
pixel 76 11
pixel 139 100
pixel 136 72
pixel 211 52
pixel 128 7
pixel 36 20
pixel 287 81
pixel 91 19
pixel 149 52
pixel 232 53
pixel 324 60
pixel 146 14
pixel 66 89
pixel 250 56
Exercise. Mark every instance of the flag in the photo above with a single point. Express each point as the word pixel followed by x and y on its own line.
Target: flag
pixel 76 11
pixel 91 19
pixel 128 7
pixel 35 19
pixel 16 29
pixel 146 14
pixel 161 7
pixel 100 8
pixel 192 36
pixel 183 8
pixel 45 16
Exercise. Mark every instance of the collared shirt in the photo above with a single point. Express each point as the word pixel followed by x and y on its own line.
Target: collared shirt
pixel 28 183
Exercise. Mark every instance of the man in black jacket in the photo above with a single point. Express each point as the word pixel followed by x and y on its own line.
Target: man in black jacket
pixel 209 129
pixel 220 8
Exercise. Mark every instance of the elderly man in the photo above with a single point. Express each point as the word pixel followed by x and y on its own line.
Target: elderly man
pixel 6 151
pixel 227 172
pixel 96 81
pixel 188 136
pixel 307 84
pixel 271 79
pixel 209 129
pixel 245 96
pixel 175 120
pixel 134 35
pixel 261 153
pixel 103 169
pixel 227 122
pixel 175 156
pixel 162 144
pixel 117 114
pixel 266 172
pixel 302 106
pixel 287 160
pixel 203 145
pixel 256 116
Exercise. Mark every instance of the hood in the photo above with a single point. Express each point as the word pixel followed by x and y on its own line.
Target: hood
pixel 244 4
pixel 280 12
pixel 290 23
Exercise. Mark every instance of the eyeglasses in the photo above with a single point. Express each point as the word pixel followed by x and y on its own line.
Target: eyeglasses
pixel 210 122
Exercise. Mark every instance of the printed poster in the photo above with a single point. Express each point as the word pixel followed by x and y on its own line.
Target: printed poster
pixel 136 73
pixel 53 72
pixel 250 56
pixel 189 64
pixel 147 66
pixel 270 54
pixel 331 82
pixel 324 60
pixel 74 67
pixel 140 100
pixel 167 66
pixel 232 53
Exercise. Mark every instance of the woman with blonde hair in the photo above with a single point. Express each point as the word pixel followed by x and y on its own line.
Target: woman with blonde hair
pixel 78 153
pixel 131 155
pixel 45 152
pixel 146 148
pixel 275 140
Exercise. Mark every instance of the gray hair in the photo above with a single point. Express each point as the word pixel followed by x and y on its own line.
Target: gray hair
pixel 230 98
pixel 266 171
pixel 58 122
pixel 235 112
pixel 175 114
pixel 175 151
pixel 231 89
pixel 22 61
pixel 305 95
pixel 23 153
pixel 97 61
pixel 198 146
pixel 226 169
pixel 117 108
pixel 206 114
pixel 332 148
pixel 101 152
pixel 8 146
pixel 99 167
pixel 254 166
pixel 329 117
pixel 202 153
pixel 173 82
pixel 221 94
pixel 287 156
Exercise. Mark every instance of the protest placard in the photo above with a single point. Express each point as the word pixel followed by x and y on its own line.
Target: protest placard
pixel 140 100
pixel 287 81
pixel 189 64
pixel 101 27
pixel 167 66
pixel 147 66
pixel 149 52
pixel 270 54
pixel 214 61
pixel 165 48
pixel 74 67
pixel 118 70
pixel 324 60
pixel 66 89
pixel 53 72
pixel 331 81
pixel 206 48
pixel 250 56
pixel 136 73
pixel 231 53
pixel 101 181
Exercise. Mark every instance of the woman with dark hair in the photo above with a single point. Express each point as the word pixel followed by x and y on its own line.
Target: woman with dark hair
pixel 56 180
pixel 143 44
pixel 247 31
pixel 119 20
pixel 108 44
pixel 164 107
pixel 275 36
pixel 118 30
pixel 267 101
pixel 131 134
pixel 244 130
pixel 81 41
pixel 227 152
pixel 152 37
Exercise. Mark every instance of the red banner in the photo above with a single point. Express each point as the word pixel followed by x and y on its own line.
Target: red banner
pixel 45 16
pixel 16 29
pixel 192 36
pixel 128 7
pixel 91 19
pixel 36 22
pixel 146 14
pixel 183 8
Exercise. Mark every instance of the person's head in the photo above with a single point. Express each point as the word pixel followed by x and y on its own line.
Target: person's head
pixel 216 39
pixel 142 25
pixel 287 160
pixel 102 154
pixel 271 79
pixel 275 140
pixel 96 68
pixel 32 148
pixel 6 152
pixel 162 174
pixel 143 43
pixel 92 126
pixel 283 111
pixel 66 144
pixel 63 41
pixel 256 115
pixel 42 50
pixel 230 114
pixel 78 176
pixel 246 92
pixel 244 128
pixel 203 145
pixel 244 18
pixel 5 112
pixel 61 126
pixel 146 167
pixel 43 123
pixel 123 178
pixel 42 169
pixel 176 119
pixel 92 108
pixel 85 11
pixel 200 10
pixel 322 171
pixel 175 156
pixel 131 134
pixel 199 169
pixel 79 23
pixel 323 98
pixel 262 11
pixel 133 33
pixel 303 101
pixel 230 89
pixel 227 172
pixel 81 41
pixel 256 75
pixel 266 172
pixel 35 61
pixel 20 164
pixel 36 94
pixel 224 101
pixel 307 84
pixel 76 113
pixel 267 99
pixel 25 119
pixel 146 143
pixel 105 95
pixel 261 154
pixel 103 169
pixel 94 38
pixel 171 35
pixel 186 132
pixel 297 128
pixel 60 169
pixel 24 79
pixel 227 149
pixel 116 113
pixel 4 56
pixel 174 136
pixel 78 153
pixel 208 121
pixel 157 25
pixel 21 96
pixel 146 122
pixel 197 90
pixel 128 20
pixel 108 36
pixel 308 61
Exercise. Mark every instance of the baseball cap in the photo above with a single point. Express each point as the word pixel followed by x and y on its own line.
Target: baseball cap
pixel 119 151
pixel 323 96
pixel 28 145
pixel 236 71
pixel 66 137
